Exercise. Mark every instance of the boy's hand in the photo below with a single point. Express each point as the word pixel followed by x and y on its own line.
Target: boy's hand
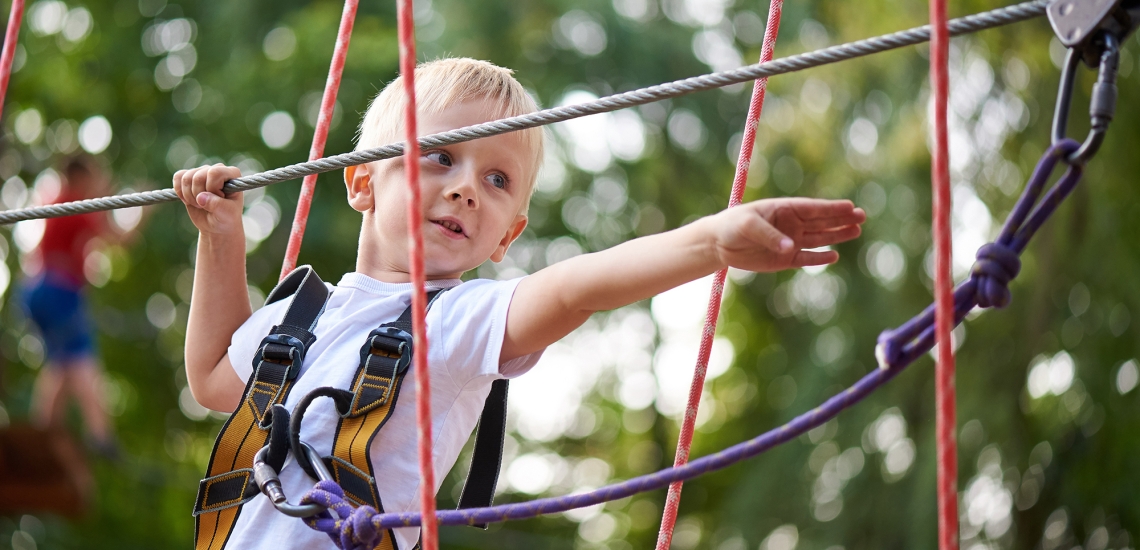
pixel 212 212
pixel 773 234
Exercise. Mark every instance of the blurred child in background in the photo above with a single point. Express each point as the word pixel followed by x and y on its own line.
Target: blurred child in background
pixel 55 299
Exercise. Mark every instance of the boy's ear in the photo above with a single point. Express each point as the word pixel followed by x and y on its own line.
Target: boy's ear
pixel 359 184
pixel 513 231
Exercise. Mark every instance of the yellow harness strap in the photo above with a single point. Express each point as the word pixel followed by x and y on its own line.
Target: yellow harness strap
pixel 384 361
pixel 229 477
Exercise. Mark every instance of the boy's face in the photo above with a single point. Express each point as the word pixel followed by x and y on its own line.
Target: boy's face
pixel 472 196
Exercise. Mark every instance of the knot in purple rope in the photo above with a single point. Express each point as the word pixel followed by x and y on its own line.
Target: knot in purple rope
pixel 997 265
pixel 357 532
pixel 353 530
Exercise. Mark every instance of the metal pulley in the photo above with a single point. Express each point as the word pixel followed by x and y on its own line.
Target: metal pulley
pixel 1079 24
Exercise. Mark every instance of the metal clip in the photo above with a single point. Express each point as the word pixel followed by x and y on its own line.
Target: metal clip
pixel 1102 104
pixel 270 485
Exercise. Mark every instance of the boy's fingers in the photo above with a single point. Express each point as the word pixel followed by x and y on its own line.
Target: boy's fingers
pixel 208 201
pixel 217 176
pixel 176 184
pixel 817 239
pixel 809 209
pixel 198 179
pixel 182 186
pixel 760 231
pixel 822 224
pixel 812 257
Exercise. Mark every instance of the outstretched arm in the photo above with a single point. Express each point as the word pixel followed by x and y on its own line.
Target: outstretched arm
pixel 220 299
pixel 767 235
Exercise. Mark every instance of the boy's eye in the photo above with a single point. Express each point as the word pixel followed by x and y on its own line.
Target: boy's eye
pixel 498 180
pixel 439 157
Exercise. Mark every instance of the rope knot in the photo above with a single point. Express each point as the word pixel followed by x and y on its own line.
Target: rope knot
pixel 997 265
pixel 357 532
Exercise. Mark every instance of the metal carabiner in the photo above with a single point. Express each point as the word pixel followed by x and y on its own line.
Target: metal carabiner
pixel 1102 104
pixel 270 485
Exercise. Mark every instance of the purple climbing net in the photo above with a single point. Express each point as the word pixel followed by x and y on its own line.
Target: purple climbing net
pixel 997 264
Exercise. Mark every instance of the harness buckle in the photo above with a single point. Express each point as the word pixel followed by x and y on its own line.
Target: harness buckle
pixel 391 343
pixel 384 342
pixel 282 349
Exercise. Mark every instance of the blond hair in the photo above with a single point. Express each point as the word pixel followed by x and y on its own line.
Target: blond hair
pixel 445 82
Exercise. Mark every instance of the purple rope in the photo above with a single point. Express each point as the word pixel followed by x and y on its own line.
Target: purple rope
pixel 988 286
pixel 329 494
pixel 998 262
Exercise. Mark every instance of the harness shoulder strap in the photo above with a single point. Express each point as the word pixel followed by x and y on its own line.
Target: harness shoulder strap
pixel 487 456
pixel 384 361
pixel 228 483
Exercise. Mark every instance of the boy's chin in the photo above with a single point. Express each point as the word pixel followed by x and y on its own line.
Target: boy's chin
pixel 444 270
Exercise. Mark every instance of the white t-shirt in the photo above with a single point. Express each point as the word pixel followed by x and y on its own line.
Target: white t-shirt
pixel 465 333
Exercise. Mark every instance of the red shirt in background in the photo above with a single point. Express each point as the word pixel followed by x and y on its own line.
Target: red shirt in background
pixel 64 245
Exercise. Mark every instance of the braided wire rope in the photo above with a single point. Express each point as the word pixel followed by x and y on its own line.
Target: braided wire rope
pixel 320 135
pixel 945 415
pixel 696 388
pixel 834 54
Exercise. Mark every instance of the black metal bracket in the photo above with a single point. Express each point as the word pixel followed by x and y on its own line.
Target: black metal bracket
pixel 1079 24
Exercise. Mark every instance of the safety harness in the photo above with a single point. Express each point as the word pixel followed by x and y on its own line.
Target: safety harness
pixel 364 410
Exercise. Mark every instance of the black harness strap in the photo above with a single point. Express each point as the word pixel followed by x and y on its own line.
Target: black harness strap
pixel 487 456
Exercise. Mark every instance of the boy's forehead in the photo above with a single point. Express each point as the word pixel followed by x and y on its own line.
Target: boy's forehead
pixel 477 111
pixel 459 115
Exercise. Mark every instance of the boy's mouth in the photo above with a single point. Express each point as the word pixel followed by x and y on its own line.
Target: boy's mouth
pixel 450 225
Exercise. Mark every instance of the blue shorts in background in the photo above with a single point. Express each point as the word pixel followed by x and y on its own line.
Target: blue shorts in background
pixel 59 309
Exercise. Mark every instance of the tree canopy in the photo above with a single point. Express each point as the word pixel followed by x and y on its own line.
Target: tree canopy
pixel 1048 426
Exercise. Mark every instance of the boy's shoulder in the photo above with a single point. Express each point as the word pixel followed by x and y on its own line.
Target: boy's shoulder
pixel 467 321
pixel 356 292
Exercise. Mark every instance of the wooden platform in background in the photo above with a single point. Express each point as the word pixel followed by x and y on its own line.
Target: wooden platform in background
pixel 42 472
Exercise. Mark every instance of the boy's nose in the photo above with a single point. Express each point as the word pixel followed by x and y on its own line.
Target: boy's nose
pixel 457 196
pixel 462 190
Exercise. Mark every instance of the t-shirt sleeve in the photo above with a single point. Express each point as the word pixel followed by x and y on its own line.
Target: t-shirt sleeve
pixel 471 320
pixel 246 339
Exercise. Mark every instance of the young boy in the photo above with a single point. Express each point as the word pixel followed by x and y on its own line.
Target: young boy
pixel 475 198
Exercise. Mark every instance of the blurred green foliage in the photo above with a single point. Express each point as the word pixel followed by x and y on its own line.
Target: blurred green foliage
pixel 1048 460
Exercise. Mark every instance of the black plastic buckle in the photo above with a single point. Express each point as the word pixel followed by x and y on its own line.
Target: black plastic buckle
pixel 282 349
pixel 388 342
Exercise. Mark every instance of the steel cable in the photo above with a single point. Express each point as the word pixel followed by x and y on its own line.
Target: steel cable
pixel 834 54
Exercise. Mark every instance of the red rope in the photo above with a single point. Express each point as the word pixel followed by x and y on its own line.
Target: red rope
pixel 324 120
pixel 946 415
pixel 407 28
pixel 9 53
pixel 685 441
